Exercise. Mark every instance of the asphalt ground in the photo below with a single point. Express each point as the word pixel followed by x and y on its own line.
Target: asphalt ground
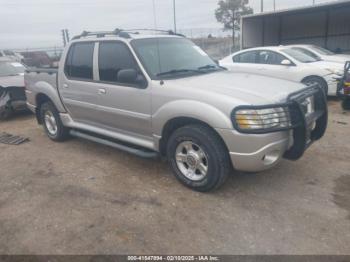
pixel 79 197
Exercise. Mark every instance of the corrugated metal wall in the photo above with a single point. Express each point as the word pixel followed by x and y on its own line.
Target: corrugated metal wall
pixel 329 27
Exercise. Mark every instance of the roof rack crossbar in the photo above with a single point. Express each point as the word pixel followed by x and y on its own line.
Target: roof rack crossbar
pixel 169 32
pixel 122 33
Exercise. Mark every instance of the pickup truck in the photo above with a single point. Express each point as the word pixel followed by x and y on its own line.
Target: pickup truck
pixel 159 95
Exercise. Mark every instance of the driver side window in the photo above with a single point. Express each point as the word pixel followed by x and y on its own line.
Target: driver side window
pixel 270 58
pixel 113 57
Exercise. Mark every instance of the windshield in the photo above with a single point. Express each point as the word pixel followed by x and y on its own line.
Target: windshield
pixel 11 68
pixel 301 55
pixel 321 50
pixel 307 52
pixel 172 57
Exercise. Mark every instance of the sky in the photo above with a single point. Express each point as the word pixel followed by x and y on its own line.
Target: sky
pixel 38 23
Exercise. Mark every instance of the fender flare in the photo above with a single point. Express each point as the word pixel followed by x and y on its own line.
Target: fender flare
pixel 191 109
pixel 44 88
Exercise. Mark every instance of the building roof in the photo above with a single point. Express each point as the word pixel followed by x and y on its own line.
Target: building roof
pixel 338 3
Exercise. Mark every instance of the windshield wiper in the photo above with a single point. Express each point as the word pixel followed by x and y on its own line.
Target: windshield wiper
pixel 207 67
pixel 178 71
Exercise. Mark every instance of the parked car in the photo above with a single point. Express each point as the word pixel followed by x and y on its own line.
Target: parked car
pixel 161 95
pixel 10 55
pixel 323 53
pixel 286 63
pixel 36 59
pixel 12 93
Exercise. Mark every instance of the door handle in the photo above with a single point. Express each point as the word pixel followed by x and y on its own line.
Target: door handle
pixel 65 86
pixel 102 91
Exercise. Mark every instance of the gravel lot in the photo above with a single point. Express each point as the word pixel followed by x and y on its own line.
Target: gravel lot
pixel 79 197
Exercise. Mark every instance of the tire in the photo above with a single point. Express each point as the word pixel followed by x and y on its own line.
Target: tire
pixel 346 103
pixel 53 126
pixel 6 113
pixel 316 80
pixel 198 171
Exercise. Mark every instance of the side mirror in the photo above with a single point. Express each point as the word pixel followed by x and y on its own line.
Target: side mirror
pixel 128 76
pixel 286 62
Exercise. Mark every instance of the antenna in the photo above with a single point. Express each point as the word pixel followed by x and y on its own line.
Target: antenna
pixel 154 14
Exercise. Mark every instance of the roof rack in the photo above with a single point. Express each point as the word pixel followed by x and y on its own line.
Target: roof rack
pixel 123 33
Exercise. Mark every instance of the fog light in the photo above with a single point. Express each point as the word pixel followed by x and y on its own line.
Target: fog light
pixel 271 157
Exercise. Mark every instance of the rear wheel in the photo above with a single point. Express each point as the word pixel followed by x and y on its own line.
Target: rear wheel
pixel 198 158
pixel 316 80
pixel 346 103
pixel 52 123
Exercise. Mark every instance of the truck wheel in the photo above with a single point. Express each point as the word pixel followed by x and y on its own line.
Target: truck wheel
pixel 198 158
pixel 316 80
pixel 52 123
pixel 5 113
pixel 346 104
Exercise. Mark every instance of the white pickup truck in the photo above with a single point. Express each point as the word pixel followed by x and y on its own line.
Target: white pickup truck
pixel 160 94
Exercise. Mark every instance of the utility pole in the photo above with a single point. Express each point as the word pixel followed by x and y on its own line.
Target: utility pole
pixel 262 6
pixel 274 5
pixel 174 7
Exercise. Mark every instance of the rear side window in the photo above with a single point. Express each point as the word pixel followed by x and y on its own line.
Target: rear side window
pixel 79 61
pixel 113 57
pixel 247 57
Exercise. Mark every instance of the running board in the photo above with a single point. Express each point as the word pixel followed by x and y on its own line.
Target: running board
pixel 129 149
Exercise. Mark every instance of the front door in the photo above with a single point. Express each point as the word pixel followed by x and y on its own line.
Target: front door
pixel 122 107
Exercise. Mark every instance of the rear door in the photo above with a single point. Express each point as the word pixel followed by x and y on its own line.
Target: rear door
pixel 245 62
pixel 124 107
pixel 76 86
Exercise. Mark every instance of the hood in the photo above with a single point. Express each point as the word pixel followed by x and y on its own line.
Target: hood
pixel 327 65
pixel 341 58
pixel 248 88
pixel 6 81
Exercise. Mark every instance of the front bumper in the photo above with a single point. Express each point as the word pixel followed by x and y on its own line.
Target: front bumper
pixel 255 152
pixel 332 83
pixel 12 98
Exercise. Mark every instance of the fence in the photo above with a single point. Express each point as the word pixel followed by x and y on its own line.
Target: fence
pixel 216 42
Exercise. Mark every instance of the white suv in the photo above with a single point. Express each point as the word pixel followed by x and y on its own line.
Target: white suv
pixel 286 63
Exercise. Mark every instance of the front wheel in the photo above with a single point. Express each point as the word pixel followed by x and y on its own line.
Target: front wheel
pixel 198 158
pixel 52 123
pixel 316 80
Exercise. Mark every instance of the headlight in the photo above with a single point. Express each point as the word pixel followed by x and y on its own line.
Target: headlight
pixel 271 119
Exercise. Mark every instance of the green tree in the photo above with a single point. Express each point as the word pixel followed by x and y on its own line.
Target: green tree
pixel 229 13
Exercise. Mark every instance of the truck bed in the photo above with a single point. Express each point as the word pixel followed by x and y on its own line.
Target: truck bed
pixel 42 80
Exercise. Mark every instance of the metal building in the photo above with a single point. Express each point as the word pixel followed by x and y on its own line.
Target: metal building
pixel 326 25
